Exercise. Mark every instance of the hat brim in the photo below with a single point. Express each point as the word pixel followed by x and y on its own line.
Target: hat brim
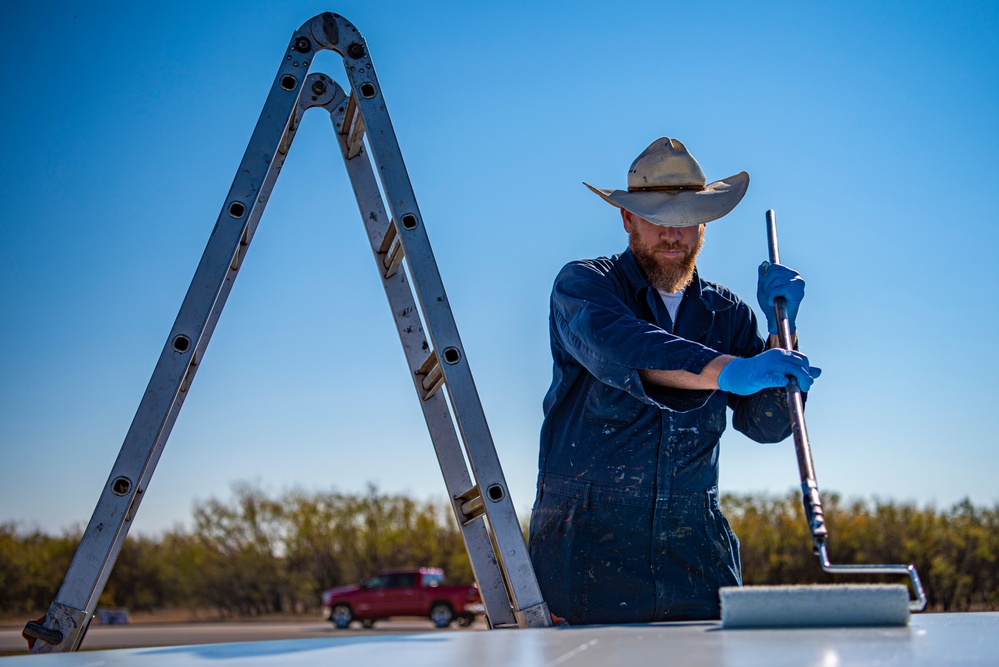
pixel 681 208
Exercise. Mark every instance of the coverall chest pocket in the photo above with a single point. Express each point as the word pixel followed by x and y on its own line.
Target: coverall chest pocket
pixel 608 405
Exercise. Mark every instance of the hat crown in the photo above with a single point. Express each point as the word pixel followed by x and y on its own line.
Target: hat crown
pixel 665 164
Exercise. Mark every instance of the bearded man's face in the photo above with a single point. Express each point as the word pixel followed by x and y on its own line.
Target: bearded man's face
pixel 666 255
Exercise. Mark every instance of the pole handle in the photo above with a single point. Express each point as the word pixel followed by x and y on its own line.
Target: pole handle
pixel 783 325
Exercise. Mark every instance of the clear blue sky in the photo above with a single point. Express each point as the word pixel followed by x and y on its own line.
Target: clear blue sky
pixel 871 128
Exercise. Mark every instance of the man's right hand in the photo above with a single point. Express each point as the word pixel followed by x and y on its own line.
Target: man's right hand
pixel 765 370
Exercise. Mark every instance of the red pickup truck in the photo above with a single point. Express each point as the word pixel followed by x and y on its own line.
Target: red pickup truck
pixel 419 592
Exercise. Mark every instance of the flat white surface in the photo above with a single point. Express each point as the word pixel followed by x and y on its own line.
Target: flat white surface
pixel 929 639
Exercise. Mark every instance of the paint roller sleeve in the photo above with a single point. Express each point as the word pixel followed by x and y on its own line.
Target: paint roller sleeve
pixel 814 606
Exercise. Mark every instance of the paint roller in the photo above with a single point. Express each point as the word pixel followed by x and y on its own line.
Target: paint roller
pixel 817 605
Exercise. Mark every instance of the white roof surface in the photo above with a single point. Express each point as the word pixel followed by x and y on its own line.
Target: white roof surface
pixel 930 639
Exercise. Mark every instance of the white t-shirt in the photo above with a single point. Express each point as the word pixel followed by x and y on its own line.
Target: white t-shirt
pixel 672 301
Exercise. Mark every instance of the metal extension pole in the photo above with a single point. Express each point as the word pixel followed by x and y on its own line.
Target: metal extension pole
pixel 796 407
pixel 810 497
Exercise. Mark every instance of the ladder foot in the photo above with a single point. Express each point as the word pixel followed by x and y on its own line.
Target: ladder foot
pixel 34 630
pixel 537 616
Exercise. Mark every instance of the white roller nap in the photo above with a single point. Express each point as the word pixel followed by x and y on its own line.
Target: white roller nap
pixel 814 606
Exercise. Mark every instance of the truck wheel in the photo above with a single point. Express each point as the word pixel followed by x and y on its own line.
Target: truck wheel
pixel 341 616
pixel 465 620
pixel 441 614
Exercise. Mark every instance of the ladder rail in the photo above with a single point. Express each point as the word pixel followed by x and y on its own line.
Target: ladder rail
pixel 387 157
pixel 406 314
pixel 75 602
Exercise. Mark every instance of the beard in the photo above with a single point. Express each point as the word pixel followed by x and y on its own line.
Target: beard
pixel 666 275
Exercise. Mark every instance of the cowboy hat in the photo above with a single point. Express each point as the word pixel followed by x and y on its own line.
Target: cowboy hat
pixel 667 187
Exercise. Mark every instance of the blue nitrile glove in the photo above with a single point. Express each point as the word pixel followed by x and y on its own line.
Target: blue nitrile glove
pixel 778 280
pixel 765 370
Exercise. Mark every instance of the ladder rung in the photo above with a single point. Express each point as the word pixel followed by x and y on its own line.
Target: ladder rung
pixel 353 127
pixel 393 259
pixel 471 505
pixel 348 114
pixel 432 383
pixel 244 243
pixel 189 373
pixel 388 239
pixel 289 133
pixel 433 375
pixel 391 250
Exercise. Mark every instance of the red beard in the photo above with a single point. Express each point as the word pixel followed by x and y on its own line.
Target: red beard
pixel 666 274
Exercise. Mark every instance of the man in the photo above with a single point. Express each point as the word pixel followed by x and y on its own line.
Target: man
pixel 626 526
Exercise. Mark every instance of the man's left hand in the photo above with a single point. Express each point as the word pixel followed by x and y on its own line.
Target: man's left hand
pixel 771 368
pixel 777 280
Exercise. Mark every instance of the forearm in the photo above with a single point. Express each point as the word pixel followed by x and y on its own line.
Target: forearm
pixel 706 379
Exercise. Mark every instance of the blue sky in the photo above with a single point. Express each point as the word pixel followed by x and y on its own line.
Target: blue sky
pixel 869 127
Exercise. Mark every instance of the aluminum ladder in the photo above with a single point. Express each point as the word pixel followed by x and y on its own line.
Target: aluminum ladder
pixel 429 336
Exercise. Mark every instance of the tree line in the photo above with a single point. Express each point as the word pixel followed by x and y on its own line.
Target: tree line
pixel 255 554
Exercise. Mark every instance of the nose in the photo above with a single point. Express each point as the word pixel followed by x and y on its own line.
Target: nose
pixel 670 233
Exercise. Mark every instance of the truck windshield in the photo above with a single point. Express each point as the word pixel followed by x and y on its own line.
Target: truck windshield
pixel 431 579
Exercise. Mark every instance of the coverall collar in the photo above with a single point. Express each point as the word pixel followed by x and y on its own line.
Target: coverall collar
pixel 706 295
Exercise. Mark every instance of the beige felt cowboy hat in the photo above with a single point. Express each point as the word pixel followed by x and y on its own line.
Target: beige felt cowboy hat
pixel 667 187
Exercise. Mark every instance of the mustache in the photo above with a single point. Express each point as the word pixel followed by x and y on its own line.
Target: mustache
pixel 669 246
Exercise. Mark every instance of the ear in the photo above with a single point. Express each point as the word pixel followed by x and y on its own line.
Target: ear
pixel 626 219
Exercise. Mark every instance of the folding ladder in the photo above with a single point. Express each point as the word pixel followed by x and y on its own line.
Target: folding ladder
pixel 426 326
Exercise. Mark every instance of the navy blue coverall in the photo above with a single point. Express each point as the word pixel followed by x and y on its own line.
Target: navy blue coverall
pixel 626 525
